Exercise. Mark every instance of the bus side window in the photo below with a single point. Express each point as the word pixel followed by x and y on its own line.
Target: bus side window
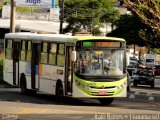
pixel 44 57
pixel 52 58
pixel 26 51
pixel 9 49
pixel 60 55
pixel 44 53
pixel 23 54
pixel 61 49
pixel 60 60
pixel 23 50
pixel 52 54
pixel 29 52
pixel 28 55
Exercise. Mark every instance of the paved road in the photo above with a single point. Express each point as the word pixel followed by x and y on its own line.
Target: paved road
pixel 40 107
pixel 146 89
pixel 145 93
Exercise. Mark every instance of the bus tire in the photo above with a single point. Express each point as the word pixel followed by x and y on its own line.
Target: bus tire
pixel 59 90
pixel 106 101
pixel 23 85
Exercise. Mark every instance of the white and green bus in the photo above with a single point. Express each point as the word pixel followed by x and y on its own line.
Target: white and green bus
pixel 62 65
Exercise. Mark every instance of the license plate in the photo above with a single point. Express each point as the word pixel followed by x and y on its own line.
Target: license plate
pixel 102 93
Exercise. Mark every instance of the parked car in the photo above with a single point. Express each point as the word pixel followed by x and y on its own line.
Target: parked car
pixel 157 69
pixel 132 70
pixel 129 80
pixel 144 77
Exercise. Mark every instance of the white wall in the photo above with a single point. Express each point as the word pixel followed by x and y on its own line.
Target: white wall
pixel 53 15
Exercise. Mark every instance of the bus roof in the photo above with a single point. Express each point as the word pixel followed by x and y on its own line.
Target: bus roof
pixel 37 37
pixel 56 37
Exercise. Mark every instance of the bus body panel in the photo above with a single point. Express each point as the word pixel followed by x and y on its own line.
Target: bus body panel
pixel 25 67
pixel 80 94
pixel 48 76
pixel 8 71
pixel 101 89
pixel 50 86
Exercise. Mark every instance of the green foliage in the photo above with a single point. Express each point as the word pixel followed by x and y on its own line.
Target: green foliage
pixel 5 2
pixel 148 11
pixel 129 27
pixel 155 50
pixel 96 32
pixel 88 15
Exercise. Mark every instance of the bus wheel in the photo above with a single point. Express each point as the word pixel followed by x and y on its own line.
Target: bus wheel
pixel 23 85
pixel 106 101
pixel 59 91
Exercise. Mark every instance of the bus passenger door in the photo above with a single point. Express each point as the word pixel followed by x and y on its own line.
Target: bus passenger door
pixel 69 71
pixel 34 66
pixel 16 57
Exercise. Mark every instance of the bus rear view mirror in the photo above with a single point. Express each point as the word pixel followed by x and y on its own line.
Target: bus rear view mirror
pixel 74 56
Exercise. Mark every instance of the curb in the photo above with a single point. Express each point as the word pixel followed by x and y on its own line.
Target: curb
pixel 143 96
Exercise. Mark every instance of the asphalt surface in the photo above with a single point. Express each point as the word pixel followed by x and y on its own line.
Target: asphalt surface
pixel 46 107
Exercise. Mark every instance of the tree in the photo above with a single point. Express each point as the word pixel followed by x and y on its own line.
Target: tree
pixel 129 27
pixel 149 13
pixel 87 15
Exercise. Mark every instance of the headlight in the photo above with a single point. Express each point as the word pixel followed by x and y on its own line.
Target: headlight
pixel 121 85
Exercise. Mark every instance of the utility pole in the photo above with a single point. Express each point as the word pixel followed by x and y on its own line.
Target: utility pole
pixel 61 17
pixel 12 18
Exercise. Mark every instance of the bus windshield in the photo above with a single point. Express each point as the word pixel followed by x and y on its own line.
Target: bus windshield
pixel 100 62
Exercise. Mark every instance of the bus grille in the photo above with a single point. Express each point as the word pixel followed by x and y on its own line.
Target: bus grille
pixel 97 94
pixel 93 87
